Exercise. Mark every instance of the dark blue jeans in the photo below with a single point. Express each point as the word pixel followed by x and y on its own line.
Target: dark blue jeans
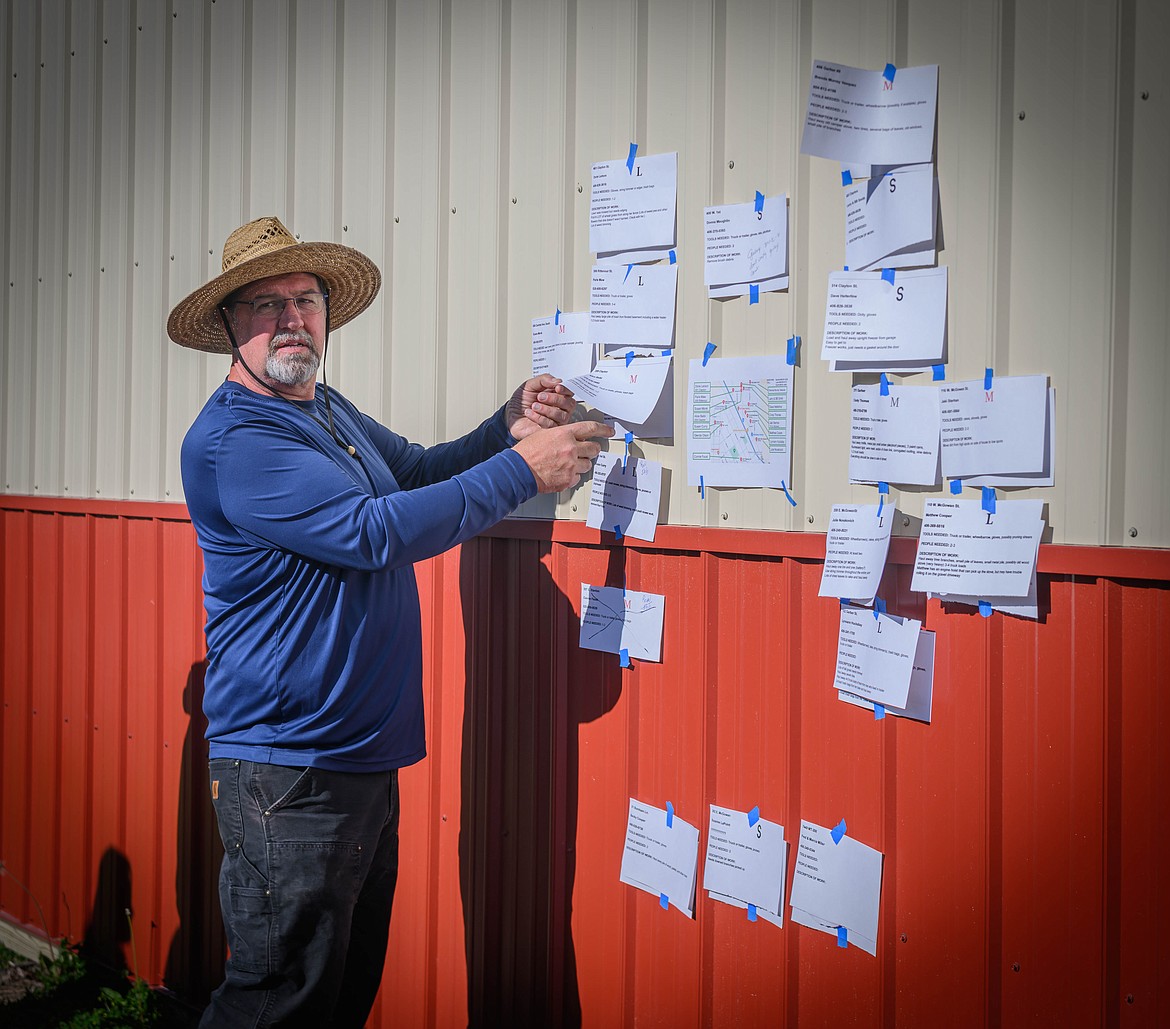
pixel 310 862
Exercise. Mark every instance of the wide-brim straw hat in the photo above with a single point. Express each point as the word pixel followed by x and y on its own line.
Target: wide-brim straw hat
pixel 262 248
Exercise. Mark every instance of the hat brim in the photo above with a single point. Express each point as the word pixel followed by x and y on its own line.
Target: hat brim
pixel 352 279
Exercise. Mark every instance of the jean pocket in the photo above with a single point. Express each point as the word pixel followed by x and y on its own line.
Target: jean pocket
pixel 276 786
pixel 250 929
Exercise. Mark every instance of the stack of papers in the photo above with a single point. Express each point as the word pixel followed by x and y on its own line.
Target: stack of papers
pixel 875 655
pixel 613 620
pixel 837 886
pixel 894 438
pixel 855 550
pixel 632 208
pixel 661 855
pixel 746 861
pixel 1004 435
pixel 632 305
pixel 625 496
pixel 746 245
pixel 919 700
pixel 967 554
pixel 630 391
pixel 886 321
pixel 890 218
pixel 560 345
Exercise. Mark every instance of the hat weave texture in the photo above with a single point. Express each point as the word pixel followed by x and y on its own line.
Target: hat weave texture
pixel 258 250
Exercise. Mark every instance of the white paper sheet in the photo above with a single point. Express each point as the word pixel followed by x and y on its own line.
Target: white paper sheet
pixel 739 422
pixel 857 116
pixel 837 884
pixel 868 318
pixel 1047 474
pixel 1027 606
pixel 1002 431
pixel 626 497
pixel 894 438
pixel 632 304
pixel 658 859
pixel 920 698
pixel 560 345
pixel 891 216
pixel 742 289
pixel 631 209
pixel 855 550
pixel 964 549
pixel 625 391
pixel 875 655
pixel 745 861
pixel 613 620
pixel 743 245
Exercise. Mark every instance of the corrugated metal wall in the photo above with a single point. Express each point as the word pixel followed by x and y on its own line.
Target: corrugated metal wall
pixel 1024 830
pixel 453 141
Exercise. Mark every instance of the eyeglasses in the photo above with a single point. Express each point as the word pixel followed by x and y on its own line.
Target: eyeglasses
pixel 270 308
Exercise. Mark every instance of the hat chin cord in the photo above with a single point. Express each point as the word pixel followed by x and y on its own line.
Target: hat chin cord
pixel 347 447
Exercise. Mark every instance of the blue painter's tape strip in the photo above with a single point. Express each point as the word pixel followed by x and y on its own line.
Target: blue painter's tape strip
pixel 883 487
pixel 702 491
pixel 889 73
pixel 879 606
pixel 884 386
pixel 673 257
pixel 759 201
pixel 664 900
pixel 842 936
pixel 881 505
pixel 669 815
pixel 846 178
pixel 664 353
pixel 617 531
pixel 629 267
pixel 985 608
pixel 888 275
pixel 753 294
pixel 879 711
pixel 838 831
pixel 630 159
pixel 629 357
pixel 754 815
pixel 989 499
pixel 938 372
pixel 751 912
pixel 987 378
pixel 844 601
pixel 625 656
pixel 790 354
pixel 956 487
pixel 557 317
pixel 787 494
pixel 708 350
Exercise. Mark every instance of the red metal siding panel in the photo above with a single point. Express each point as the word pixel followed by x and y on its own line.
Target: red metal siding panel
pixel 1025 826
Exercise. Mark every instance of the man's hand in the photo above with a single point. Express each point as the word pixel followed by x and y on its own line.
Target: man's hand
pixel 559 457
pixel 542 402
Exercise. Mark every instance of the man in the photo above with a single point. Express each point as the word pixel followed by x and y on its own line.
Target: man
pixel 310 515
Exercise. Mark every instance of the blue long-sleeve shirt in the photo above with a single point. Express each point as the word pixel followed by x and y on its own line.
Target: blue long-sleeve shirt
pixel 314 644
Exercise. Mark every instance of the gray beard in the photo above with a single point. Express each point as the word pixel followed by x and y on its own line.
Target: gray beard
pixel 292 369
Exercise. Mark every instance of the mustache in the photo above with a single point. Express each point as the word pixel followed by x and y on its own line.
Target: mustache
pixel 298 336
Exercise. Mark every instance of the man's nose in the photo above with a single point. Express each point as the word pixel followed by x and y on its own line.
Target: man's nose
pixel 290 315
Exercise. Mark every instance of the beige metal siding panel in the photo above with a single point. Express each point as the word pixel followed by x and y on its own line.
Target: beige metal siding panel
pixel 21 249
pixel 365 130
pixel 273 123
pixel 1140 449
pixel 114 299
pixel 416 280
pixel 312 132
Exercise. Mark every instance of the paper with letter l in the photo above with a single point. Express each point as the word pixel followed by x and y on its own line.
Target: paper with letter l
pixel 964 549
pixel 921 696
pixel 739 420
pixel 875 655
pixel 627 497
pixel 561 346
pixel 745 862
pixel 613 620
pixel 743 245
pixel 661 860
pixel 855 550
pixel 837 884
pixel 632 305
pixel 870 319
pixel 894 438
pixel 997 431
pixel 633 208
pixel 889 219
pixel 628 392
pixel 857 116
